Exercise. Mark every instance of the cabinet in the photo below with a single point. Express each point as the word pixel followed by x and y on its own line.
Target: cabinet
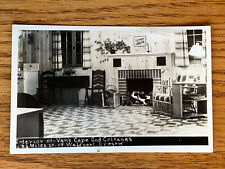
pixel 189 99
pixel 30 122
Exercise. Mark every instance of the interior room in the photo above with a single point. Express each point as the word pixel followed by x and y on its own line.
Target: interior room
pixel 112 82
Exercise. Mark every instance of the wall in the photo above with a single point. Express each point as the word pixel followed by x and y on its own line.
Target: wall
pixel 160 44
pixel 36 47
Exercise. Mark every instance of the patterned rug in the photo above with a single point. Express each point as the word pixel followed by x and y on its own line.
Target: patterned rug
pixel 72 121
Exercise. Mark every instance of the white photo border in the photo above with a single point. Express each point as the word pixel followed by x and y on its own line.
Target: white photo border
pixel 13 150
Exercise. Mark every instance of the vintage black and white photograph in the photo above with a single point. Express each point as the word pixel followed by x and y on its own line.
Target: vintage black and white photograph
pixel 111 89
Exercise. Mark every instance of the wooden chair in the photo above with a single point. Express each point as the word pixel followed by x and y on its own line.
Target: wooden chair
pixel 25 100
pixel 98 86
pixel 45 85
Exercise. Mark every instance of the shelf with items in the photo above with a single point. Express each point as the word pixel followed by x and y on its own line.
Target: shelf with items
pixel 189 99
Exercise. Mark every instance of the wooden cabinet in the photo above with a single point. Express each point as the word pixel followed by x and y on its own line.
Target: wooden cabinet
pixel 177 101
pixel 30 122
pixel 189 99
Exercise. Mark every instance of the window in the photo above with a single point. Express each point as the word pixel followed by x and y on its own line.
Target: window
pixel 193 37
pixel 161 61
pixel 72 48
pixel 116 62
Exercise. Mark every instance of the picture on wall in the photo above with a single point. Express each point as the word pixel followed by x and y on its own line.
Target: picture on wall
pixel 139 41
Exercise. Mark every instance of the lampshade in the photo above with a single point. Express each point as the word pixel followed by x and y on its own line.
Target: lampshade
pixel 197 51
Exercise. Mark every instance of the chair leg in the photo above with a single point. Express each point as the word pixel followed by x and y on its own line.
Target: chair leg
pixel 92 96
pixel 86 100
pixel 53 95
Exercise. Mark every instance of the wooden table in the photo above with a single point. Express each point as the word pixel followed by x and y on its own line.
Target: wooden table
pixel 72 84
pixel 117 12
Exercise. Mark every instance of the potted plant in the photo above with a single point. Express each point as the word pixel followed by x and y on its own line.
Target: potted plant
pixel 112 47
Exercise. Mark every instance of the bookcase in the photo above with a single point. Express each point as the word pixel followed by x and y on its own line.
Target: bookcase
pixel 189 100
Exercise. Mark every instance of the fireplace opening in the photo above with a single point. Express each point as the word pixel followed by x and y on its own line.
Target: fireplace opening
pixel 139 91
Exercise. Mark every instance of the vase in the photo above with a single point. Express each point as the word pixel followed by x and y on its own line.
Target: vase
pixel 113 51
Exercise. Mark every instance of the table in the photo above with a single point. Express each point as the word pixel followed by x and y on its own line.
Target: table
pixel 67 89
pixel 68 81
pixel 30 122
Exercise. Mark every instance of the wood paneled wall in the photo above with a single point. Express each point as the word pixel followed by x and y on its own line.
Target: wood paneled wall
pixel 36 47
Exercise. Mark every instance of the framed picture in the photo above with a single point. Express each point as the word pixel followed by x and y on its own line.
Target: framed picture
pixel 139 41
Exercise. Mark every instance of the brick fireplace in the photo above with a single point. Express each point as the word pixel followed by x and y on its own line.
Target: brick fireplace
pixel 140 78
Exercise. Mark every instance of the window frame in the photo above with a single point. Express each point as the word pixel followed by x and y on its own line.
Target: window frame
pixel 73 49
pixel 193 35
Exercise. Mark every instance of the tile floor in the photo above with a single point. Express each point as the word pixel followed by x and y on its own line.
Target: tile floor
pixel 72 121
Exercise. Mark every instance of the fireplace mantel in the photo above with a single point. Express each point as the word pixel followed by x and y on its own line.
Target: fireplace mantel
pixel 136 54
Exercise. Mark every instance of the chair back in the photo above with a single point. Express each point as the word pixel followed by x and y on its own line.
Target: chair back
pixel 25 100
pixel 44 79
pixel 98 80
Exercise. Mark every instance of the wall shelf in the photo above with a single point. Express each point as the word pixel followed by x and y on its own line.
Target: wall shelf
pixel 136 54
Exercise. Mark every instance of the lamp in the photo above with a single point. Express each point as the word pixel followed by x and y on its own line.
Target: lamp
pixel 197 52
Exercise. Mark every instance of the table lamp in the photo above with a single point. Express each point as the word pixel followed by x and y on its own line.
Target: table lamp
pixel 197 52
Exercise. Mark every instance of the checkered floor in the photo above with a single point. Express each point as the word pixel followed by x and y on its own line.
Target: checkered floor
pixel 72 121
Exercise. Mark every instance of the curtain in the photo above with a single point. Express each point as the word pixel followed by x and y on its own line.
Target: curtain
pixel 56 51
pixel 86 50
pixel 204 41
pixel 181 47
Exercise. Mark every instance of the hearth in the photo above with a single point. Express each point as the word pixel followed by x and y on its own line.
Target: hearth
pixel 135 86
pixel 139 91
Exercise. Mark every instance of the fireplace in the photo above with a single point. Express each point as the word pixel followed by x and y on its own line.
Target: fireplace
pixel 141 80
pixel 142 85
pixel 139 91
